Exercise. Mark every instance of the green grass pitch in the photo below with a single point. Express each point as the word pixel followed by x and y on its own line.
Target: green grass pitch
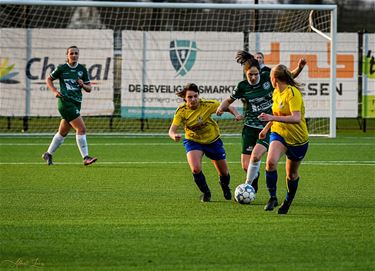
pixel 138 208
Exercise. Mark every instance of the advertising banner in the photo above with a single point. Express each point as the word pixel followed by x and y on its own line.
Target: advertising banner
pixel 288 48
pixel 28 56
pixel 157 64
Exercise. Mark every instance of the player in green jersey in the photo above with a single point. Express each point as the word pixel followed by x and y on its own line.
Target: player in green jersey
pixel 73 77
pixel 202 137
pixel 256 94
pixel 260 57
pixel 289 135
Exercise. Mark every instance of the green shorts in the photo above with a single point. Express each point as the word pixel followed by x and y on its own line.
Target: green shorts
pixel 250 137
pixel 69 109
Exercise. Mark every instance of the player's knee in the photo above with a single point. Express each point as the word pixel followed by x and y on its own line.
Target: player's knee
pixel 63 133
pixel 81 130
pixel 292 176
pixel 196 170
pixel 271 165
pixel 256 158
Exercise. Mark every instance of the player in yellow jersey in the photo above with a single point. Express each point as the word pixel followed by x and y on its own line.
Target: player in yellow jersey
pixel 202 137
pixel 256 94
pixel 289 135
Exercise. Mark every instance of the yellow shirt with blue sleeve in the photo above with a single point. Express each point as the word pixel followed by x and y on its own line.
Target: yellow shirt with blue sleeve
pixel 198 123
pixel 284 103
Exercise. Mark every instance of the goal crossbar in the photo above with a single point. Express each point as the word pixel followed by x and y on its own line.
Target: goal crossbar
pixel 168 5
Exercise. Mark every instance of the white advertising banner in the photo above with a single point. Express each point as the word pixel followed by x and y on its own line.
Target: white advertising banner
pixel 288 48
pixel 158 64
pixel 28 56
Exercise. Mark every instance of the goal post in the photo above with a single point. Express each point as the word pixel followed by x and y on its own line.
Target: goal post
pixel 139 54
pixel 332 39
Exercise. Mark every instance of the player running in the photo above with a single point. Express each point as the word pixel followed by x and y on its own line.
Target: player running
pixel 289 135
pixel 202 137
pixel 72 78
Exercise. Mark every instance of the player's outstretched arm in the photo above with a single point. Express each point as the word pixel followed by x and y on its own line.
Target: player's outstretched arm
pixel 263 133
pixel 223 107
pixel 301 64
pixel 235 113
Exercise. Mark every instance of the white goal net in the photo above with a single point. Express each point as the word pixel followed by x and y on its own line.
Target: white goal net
pixel 139 54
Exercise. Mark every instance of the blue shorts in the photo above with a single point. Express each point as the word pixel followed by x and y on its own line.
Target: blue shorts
pixel 214 151
pixel 294 153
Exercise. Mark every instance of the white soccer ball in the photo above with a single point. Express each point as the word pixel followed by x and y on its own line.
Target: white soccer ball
pixel 244 193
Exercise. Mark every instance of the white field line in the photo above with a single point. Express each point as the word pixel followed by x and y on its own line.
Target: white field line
pixel 313 163
pixel 177 144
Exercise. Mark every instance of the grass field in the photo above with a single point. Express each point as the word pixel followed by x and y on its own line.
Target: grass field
pixel 138 208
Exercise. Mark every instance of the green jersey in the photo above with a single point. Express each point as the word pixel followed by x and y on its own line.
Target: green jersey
pixel 68 76
pixel 256 98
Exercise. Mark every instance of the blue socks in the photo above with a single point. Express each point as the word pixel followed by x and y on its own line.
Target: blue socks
pixel 200 180
pixel 292 189
pixel 225 180
pixel 292 185
pixel 271 180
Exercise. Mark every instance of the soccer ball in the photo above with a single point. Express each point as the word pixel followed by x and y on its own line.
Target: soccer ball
pixel 244 193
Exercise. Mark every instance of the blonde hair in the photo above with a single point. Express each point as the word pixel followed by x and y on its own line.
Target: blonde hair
pixel 281 73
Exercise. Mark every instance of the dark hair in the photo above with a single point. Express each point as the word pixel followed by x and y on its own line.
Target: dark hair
pixel 190 86
pixel 251 63
pixel 281 73
pixel 247 60
pixel 71 47
pixel 243 56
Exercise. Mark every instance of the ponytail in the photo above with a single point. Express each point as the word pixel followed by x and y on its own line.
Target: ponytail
pixel 247 60
pixel 282 74
pixel 242 57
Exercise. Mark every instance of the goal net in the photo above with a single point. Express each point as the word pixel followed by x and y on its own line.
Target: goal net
pixel 139 55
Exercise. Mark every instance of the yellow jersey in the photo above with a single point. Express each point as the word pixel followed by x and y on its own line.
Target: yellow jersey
pixel 284 103
pixel 198 123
